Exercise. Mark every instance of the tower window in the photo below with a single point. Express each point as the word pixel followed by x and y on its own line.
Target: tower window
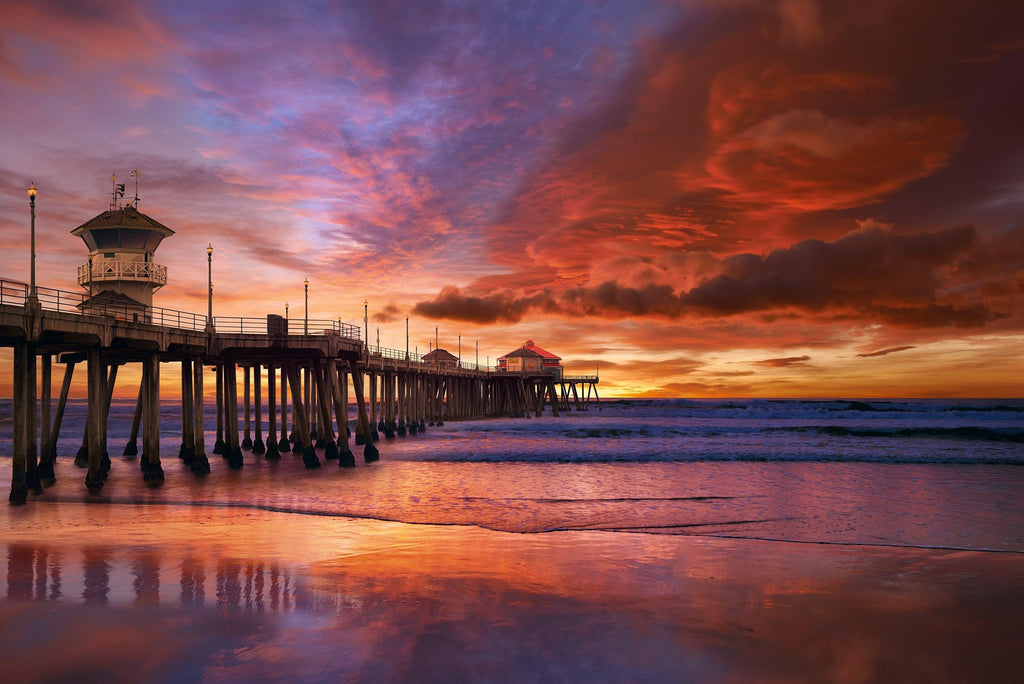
pixel 109 255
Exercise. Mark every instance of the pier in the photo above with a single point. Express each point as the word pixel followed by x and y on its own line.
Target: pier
pixel 310 378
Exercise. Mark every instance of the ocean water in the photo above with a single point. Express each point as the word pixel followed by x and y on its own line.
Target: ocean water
pixel 931 474
pixel 675 541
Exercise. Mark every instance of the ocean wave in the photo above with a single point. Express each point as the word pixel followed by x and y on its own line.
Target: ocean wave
pixel 966 432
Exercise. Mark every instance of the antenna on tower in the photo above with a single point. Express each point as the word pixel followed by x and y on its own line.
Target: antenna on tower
pixel 135 175
pixel 116 191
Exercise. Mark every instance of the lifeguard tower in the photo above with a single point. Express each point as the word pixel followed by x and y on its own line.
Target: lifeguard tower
pixel 120 274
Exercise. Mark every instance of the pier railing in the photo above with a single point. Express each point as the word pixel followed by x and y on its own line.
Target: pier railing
pixel 250 325
pixel 13 293
pixel 377 352
pixel 144 271
pixel 61 301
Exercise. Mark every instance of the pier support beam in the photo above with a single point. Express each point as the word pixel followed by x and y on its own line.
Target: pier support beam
pixel 132 447
pixel 247 441
pixel 96 423
pixel 299 419
pixel 323 402
pixel 370 453
pixel 65 389
pixel 218 446
pixel 152 471
pixel 44 470
pixel 273 454
pixel 187 452
pixel 334 379
pixel 24 425
pixel 232 447
pixel 258 447
pixel 200 463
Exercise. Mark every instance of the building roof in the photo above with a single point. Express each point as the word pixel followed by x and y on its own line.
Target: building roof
pixel 441 356
pixel 522 352
pixel 110 298
pixel 529 345
pixel 125 217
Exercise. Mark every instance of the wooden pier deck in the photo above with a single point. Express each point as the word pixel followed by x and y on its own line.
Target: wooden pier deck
pixel 310 379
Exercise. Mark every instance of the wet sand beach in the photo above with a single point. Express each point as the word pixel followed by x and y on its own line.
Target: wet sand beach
pixel 154 593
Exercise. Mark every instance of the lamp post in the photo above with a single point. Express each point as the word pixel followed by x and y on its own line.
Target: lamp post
pixel 406 338
pixel 209 283
pixel 460 351
pixel 305 324
pixel 32 208
pixel 478 354
pixel 378 339
pixel 286 312
pixel 366 326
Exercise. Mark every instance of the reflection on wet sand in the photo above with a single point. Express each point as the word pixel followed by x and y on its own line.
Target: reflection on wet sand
pixel 403 603
pixel 86 575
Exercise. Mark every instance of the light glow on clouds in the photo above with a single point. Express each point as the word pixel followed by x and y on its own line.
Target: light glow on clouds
pixel 704 198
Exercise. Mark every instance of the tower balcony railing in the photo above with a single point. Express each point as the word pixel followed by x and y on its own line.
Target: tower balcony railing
pixel 142 271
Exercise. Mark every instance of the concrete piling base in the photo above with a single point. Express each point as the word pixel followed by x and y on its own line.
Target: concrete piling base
pixel 346 459
pixel 258 447
pixel 370 453
pixel 309 457
pixel 234 458
pixel 131 449
pixel 200 465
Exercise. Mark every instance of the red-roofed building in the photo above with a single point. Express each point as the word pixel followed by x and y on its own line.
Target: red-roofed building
pixel 531 358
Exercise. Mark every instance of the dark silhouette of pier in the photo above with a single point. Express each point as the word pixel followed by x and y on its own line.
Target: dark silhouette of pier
pixel 311 380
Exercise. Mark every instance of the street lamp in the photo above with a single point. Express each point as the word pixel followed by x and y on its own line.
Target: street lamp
pixel 209 283
pixel 406 338
pixel 32 208
pixel 305 329
pixel 286 312
pixel 460 351
pixel 366 326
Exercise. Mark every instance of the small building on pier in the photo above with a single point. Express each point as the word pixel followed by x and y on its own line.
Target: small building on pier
pixel 120 273
pixel 441 357
pixel 531 359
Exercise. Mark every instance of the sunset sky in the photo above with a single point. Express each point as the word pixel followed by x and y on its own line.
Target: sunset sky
pixel 703 198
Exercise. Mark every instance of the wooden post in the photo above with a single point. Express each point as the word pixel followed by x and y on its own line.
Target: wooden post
pixel 300 421
pixel 258 447
pixel 321 370
pixel 152 472
pixel 200 463
pixel 132 447
pixel 370 453
pixel 44 471
pixel 273 453
pixel 283 445
pixel 373 407
pixel 247 442
pixel 51 443
pixel 22 425
pixel 188 441
pixel 233 446
pixel 95 421
pixel 403 407
pixel 219 447
pixel 334 378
